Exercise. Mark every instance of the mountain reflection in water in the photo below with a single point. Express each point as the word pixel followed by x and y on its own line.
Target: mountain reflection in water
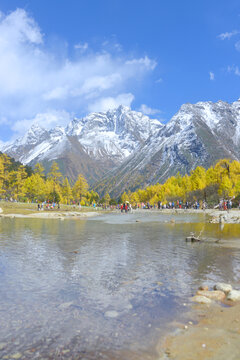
pixel 105 288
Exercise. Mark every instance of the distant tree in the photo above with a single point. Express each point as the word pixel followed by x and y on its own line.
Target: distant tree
pixel 66 191
pixel 54 173
pixel 39 169
pixel 80 188
pixel 54 197
pixel 107 198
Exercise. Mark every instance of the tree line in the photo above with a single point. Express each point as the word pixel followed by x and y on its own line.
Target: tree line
pixel 221 181
pixel 21 183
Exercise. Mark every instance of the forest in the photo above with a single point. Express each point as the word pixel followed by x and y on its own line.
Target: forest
pixel 22 183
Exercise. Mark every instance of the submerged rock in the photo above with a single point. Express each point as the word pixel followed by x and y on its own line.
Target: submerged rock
pixel 66 305
pixel 18 355
pixel 213 295
pixel 111 314
pixel 201 299
pixel 226 288
pixel 234 295
pixel 2 346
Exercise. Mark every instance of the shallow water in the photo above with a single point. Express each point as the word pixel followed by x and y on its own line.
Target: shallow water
pixel 104 288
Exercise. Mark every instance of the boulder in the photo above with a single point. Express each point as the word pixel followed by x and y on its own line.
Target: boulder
pixel 226 288
pixel 213 295
pixel 1 210
pixel 233 295
pixel 201 299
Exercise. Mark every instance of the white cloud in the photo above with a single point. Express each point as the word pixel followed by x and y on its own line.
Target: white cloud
pixel 143 62
pixel 237 45
pixel 228 35
pixel 49 119
pixel 211 75
pixel 81 46
pixel 158 81
pixel 34 79
pixel 107 103
pixel 148 111
pixel 234 69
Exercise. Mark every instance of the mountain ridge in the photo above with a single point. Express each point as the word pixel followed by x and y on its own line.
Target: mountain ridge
pixel 123 149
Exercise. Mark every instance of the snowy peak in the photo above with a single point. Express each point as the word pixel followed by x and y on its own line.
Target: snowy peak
pixel 33 135
pixel 112 136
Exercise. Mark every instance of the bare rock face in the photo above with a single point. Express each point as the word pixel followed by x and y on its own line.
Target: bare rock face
pixel 213 295
pixel 226 288
pixel 201 299
pixel 234 295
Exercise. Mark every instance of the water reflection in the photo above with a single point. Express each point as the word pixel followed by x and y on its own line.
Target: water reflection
pixel 103 286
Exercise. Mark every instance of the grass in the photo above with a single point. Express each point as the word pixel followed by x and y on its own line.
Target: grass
pixel 29 208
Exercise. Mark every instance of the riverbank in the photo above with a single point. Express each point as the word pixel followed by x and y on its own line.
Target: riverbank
pixel 29 210
pixel 25 210
pixel 215 336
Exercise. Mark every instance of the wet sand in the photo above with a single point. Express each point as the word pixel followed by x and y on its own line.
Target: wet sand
pixel 216 336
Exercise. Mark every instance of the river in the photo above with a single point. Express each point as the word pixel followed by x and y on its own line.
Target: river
pixel 105 288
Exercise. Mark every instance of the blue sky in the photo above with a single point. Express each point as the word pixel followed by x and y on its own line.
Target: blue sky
pixel 61 59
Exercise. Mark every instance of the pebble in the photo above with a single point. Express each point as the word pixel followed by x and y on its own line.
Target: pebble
pixel 203 287
pixel 66 305
pixel 129 307
pixel 2 346
pixel 213 295
pixel 234 295
pixel 65 351
pixel 226 288
pixel 111 314
pixel 201 299
pixel 203 345
pixel 17 355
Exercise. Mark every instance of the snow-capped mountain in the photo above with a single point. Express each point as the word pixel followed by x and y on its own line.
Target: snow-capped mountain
pixel 91 145
pixel 198 134
pixel 123 149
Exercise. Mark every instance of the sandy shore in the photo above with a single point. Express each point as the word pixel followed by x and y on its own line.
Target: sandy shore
pixel 53 215
pixel 213 215
pixel 216 336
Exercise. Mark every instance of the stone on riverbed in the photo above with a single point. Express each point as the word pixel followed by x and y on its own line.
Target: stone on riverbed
pixel 213 295
pixel 2 346
pixel 234 295
pixel 111 314
pixel 18 355
pixel 226 288
pixel 201 299
pixel 203 287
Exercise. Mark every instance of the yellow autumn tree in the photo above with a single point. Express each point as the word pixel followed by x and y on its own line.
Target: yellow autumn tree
pixel 80 188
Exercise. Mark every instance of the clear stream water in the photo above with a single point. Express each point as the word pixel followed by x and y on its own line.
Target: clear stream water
pixel 104 288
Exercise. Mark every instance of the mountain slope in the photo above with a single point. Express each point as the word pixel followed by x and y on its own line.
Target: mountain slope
pixel 123 149
pixel 198 134
pixel 91 146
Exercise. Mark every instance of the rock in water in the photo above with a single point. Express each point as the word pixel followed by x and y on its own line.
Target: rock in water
pixel 213 295
pixel 203 287
pixel 201 299
pixel 234 295
pixel 226 288
pixel 111 314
